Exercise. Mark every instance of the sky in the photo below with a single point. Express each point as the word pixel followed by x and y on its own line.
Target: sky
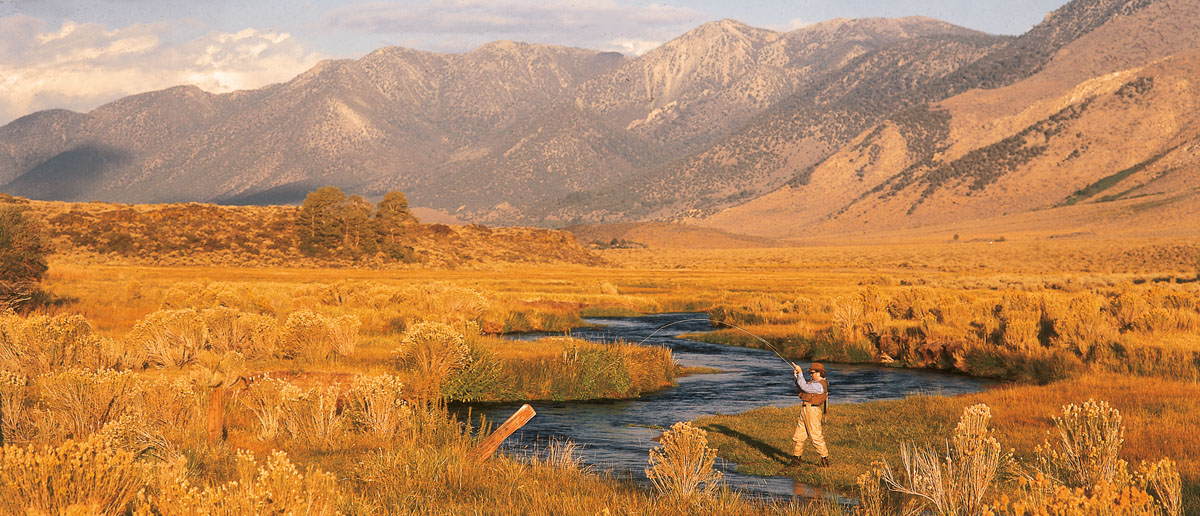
pixel 79 54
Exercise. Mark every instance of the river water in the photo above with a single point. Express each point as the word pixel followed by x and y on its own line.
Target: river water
pixel 617 435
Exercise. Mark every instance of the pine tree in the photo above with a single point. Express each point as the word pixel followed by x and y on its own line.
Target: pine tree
pixel 358 231
pixel 392 221
pixel 319 225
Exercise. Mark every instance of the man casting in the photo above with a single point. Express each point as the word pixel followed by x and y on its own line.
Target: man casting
pixel 813 395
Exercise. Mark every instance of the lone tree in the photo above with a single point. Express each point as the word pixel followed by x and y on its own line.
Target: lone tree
pixel 23 252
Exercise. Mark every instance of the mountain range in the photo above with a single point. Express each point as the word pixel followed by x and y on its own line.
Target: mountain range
pixel 832 127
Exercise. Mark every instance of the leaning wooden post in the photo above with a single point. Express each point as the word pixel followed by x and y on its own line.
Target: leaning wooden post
pixel 485 449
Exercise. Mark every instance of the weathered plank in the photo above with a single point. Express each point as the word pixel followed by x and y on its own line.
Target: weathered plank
pixel 489 445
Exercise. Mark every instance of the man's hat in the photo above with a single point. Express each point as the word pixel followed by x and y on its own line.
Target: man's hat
pixel 816 367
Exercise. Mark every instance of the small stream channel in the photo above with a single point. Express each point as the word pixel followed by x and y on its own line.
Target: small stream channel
pixel 617 435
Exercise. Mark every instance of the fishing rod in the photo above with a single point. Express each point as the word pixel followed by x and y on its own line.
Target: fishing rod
pixel 721 323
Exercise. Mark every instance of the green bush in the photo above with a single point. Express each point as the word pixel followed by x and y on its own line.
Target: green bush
pixel 480 380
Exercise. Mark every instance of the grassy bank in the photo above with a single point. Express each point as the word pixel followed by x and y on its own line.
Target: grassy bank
pixel 1160 416
pixel 1031 333
pixel 559 369
pixel 1034 366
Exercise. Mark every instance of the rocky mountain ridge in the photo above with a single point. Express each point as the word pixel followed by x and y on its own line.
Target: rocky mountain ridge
pixel 1026 146
pixel 494 131
pixel 828 128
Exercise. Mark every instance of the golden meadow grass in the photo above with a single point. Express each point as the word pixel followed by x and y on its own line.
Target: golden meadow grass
pixel 1159 418
pixel 331 387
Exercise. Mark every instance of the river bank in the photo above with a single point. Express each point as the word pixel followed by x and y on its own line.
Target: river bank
pixel 617 435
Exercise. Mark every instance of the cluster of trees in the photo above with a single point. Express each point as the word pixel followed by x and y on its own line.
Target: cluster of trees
pixel 23 250
pixel 331 223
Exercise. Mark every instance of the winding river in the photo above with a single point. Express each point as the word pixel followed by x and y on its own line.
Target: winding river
pixel 617 435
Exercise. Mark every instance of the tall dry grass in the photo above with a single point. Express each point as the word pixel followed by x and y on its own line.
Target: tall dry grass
pixel 917 305
pixel 858 435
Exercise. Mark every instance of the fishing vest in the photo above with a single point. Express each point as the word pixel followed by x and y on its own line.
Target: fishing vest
pixel 816 399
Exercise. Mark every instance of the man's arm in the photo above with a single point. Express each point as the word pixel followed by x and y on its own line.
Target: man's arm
pixel 806 386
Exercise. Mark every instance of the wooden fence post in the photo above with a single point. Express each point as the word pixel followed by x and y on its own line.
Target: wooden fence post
pixel 485 449
pixel 216 415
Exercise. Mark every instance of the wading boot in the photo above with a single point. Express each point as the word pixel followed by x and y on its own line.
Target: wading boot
pixel 795 462
pixel 824 462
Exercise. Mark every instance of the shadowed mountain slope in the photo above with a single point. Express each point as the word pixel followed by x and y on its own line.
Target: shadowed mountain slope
pixel 488 134
pixel 394 113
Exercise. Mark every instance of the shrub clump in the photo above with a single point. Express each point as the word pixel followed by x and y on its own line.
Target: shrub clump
pixel 267 398
pixel 376 405
pixel 957 483
pixel 82 477
pixel 312 337
pixel 433 351
pixel 40 344
pixel 23 251
pixel 79 402
pixel 251 334
pixel 1090 437
pixel 683 465
pixel 273 487
pixel 170 338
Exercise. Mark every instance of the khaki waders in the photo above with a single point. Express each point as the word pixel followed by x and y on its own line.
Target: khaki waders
pixel 808 426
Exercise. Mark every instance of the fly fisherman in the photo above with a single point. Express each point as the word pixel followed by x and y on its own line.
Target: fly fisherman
pixel 813 394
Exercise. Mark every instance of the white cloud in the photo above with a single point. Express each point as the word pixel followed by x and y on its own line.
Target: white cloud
pixel 797 23
pixel 603 24
pixel 790 25
pixel 79 66
pixel 635 47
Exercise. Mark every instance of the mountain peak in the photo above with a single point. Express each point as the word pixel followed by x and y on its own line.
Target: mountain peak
pixel 731 24
pixel 505 45
pixel 727 27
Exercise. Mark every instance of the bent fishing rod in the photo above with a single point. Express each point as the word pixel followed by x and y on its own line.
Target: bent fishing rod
pixel 721 323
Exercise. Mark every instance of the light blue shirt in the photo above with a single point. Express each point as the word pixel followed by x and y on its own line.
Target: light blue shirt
pixel 809 387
